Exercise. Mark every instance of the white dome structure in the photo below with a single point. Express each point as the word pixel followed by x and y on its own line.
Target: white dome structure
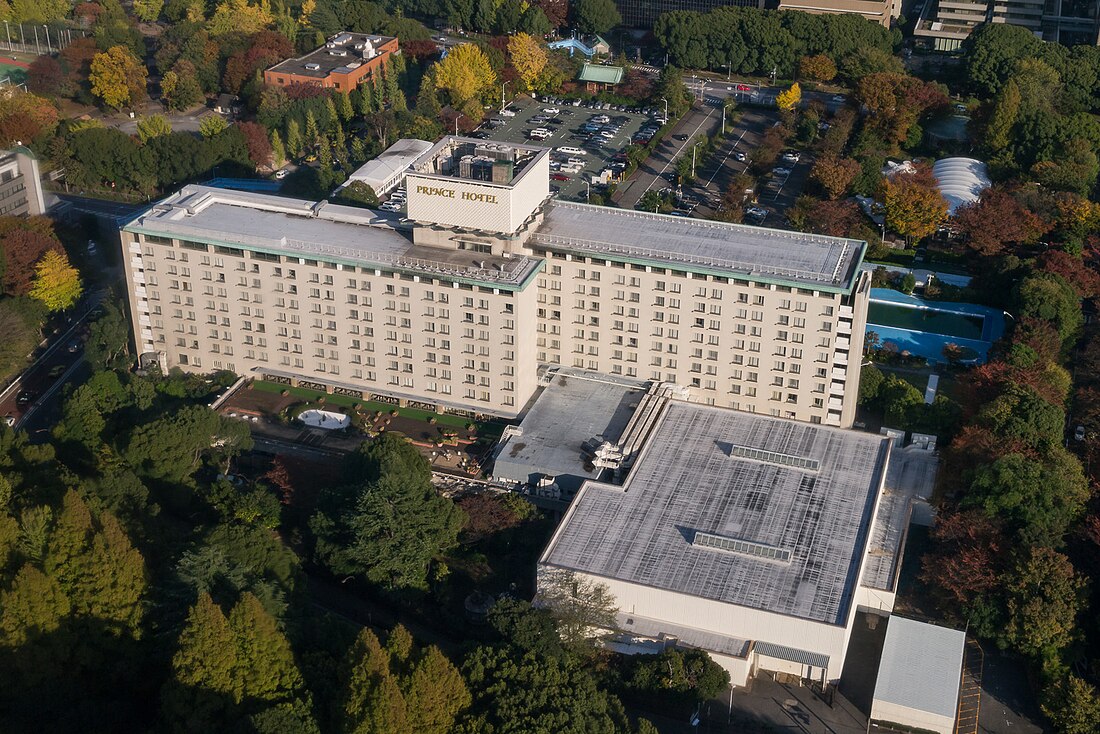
pixel 961 181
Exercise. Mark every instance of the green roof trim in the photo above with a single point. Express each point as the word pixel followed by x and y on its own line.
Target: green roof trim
pixel 600 74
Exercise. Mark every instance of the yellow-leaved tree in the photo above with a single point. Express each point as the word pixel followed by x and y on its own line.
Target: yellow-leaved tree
pixel 465 75
pixel 237 16
pixel 788 99
pixel 56 282
pixel 118 77
pixel 528 56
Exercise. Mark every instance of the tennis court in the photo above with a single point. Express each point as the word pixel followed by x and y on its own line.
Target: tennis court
pixel 12 72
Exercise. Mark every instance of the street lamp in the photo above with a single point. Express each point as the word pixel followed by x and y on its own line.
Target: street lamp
pixel 587 192
pixel 693 148
pixel 665 100
pixel 48 48
pixel 502 94
pixel 7 30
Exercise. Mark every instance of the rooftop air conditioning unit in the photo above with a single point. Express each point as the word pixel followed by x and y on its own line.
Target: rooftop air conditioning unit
pixel 313 67
pixel 338 52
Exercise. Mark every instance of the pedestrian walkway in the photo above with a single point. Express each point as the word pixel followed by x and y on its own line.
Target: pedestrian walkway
pixel 970 693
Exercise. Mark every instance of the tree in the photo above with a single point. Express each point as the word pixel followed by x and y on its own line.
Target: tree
pixel 1037 499
pixel 819 68
pixel 1044 596
pixel 47 76
pixel 200 693
pixel 22 249
pixel 1072 706
pixel 358 193
pixel 835 175
pixel 148 10
pixel 170 447
pixel 118 77
pixel 682 676
pixel 212 126
pixel 264 667
pixel 996 221
pixel 965 564
pixel 152 126
pixel 595 16
pixel 238 16
pixel 528 57
pixel 1006 110
pixel 464 75
pixel 32 611
pixel 584 609
pixel 1048 297
pixel 56 282
pixel 107 346
pixel 789 98
pixel 24 116
pixel 371 701
pixel 556 11
pixel 180 86
pixel 259 147
pixel 294 142
pixel 870 383
pixel 435 693
pixel 914 208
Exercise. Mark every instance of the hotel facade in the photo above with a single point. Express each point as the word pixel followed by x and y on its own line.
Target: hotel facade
pixel 458 305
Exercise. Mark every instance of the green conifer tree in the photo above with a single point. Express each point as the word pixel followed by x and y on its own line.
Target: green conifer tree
pixel 313 133
pixel 435 694
pixel 399 645
pixel 294 137
pixel 265 667
pixel 371 701
pixel 343 106
pixel 202 691
pixel 389 80
pixel 278 150
pixel 67 550
pixel 427 102
pixel 333 120
pixel 114 591
pixel 366 98
pixel 379 94
pixel 31 612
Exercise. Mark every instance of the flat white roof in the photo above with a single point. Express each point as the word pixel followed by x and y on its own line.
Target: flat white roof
pixel 921 667
pixel 390 162
pixel 754 253
pixel 318 230
pixel 760 512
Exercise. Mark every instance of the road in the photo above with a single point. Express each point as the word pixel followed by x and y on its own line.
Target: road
pixel 58 362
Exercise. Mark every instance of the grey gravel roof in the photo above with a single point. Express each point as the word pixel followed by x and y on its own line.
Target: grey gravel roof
pixel 573 408
pixel 316 230
pixel 921 666
pixel 692 476
pixel 796 258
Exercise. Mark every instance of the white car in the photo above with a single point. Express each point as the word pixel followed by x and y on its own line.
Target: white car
pixel 507 113
pixel 539 133
pixel 739 156
pixel 575 162
pixel 791 157
pixel 606 135
pixel 389 206
pixel 281 174
pixel 551 110
pixel 572 151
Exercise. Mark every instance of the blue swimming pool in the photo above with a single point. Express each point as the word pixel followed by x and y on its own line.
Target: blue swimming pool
pixel 923 328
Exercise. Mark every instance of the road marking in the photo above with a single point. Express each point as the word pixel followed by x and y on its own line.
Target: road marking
pixel 660 176
pixel 723 163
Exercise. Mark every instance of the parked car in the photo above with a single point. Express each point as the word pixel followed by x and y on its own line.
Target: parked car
pixel 25 397
pixel 9 419
pixel 551 110
pixel 281 174
pixel 739 156
pixel 507 113
pixel 682 138
pixel 756 213
pixel 568 150
pixel 791 156
pixel 1079 434
pixel 781 172
pixel 559 177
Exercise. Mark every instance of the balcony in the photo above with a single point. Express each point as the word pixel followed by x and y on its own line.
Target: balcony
pixel 840 359
pixel 836 404
pixel 843 342
pixel 837 389
pixel 844 327
pixel 839 374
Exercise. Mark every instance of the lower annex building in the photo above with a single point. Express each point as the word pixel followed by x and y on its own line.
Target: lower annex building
pixel 456 307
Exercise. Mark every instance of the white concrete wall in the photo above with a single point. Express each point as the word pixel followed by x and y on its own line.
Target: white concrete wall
pixel 876 601
pixel 893 713
pixel 732 620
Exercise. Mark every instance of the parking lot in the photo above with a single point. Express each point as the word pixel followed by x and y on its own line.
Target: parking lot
pixel 566 130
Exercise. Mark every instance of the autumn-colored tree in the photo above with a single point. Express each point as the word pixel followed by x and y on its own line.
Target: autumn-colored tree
pixel 819 68
pixel 464 75
pixel 152 126
pixel 118 77
pixel 528 57
pixel 1083 279
pixel 56 282
pixel 24 116
pixel 265 49
pixel 965 563
pixel 259 147
pixel 914 206
pixel 835 175
pixel 997 221
pixel 238 16
pixel 148 10
pixel 896 101
pixel 556 11
pixel 22 248
pixel 278 476
pixel 47 76
pixel 789 98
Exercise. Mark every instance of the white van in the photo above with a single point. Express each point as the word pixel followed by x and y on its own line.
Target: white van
pixel 572 151
pixel 539 133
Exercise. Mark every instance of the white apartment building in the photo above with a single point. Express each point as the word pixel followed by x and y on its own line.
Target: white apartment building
pixel 456 307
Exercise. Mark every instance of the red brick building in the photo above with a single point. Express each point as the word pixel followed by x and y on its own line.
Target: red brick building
pixel 345 62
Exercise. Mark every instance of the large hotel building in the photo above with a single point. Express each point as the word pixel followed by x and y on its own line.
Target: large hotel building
pixel 457 306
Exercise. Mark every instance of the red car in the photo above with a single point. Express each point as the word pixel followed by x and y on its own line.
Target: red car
pixel 744 88
pixel 559 177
